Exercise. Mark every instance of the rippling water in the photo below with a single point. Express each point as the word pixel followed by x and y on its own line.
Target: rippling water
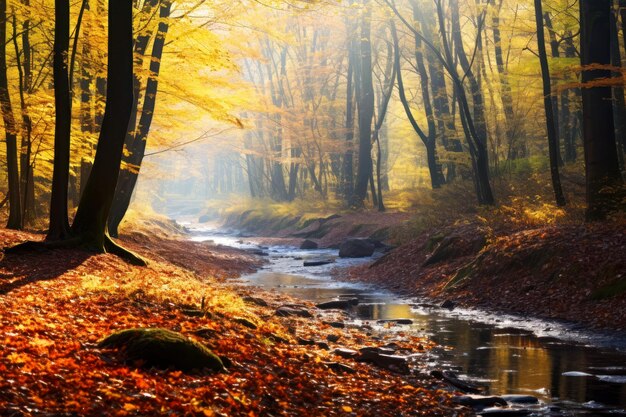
pixel 578 372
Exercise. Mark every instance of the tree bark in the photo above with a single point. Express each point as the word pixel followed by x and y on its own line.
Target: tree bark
pixel 549 108
pixel 15 207
pixel 59 227
pixel 137 147
pixel 603 178
pixel 90 224
pixel 365 108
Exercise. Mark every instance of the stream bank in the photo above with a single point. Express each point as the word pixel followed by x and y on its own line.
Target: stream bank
pixel 568 371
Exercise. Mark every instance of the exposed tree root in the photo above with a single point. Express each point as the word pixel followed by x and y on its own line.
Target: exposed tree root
pixel 78 242
pixel 129 256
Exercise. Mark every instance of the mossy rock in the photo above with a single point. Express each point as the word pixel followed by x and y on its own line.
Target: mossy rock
pixel 162 348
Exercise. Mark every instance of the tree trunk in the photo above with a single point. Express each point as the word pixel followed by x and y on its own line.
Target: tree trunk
pixel 365 108
pixel 15 207
pixel 128 177
pixel 619 104
pixel 59 224
pixel 549 108
pixel 90 224
pixel 604 181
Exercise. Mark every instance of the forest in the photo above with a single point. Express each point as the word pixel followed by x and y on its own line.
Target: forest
pixel 313 207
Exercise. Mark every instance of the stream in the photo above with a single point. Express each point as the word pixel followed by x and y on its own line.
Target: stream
pixel 571 371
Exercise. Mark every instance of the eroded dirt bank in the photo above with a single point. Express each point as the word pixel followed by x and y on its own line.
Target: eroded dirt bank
pixel 574 273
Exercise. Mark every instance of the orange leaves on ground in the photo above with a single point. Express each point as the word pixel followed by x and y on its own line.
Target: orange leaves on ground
pixel 50 321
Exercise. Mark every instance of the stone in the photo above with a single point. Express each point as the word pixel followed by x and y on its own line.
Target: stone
pixel 396 321
pixel 504 412
pixel 293 311
pixel 317 262
pixel 333 338
pixel 338 304
pixel 254 300
pixel 479 401
pixel 308 244
pixel 356 248
pixel 162 348
pixel 520 399
pixel 448 304
pixel 336 324
pixel 346 353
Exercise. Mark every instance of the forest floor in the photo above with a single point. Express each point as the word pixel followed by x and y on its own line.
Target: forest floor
pixel 56 305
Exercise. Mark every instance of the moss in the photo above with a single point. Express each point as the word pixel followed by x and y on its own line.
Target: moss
pixel 162 348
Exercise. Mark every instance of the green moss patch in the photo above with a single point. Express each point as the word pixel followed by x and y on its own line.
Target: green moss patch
pixel 162 348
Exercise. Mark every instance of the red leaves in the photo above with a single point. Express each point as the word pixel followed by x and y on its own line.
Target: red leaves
pixel 49 363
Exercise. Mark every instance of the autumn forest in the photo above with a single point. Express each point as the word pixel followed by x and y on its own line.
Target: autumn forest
pixel 313 207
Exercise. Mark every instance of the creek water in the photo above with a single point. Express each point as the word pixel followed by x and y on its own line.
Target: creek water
pixel 571 371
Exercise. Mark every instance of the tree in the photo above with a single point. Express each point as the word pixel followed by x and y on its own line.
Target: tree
pixel 15 211
pixel 59 224
pixel 603 179
pixel 553 143
pixel 137 136
pixel 365 100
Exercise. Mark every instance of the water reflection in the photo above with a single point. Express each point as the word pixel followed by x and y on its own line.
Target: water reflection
pixel 506 360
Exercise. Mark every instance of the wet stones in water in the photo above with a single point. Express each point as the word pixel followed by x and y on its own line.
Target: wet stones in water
pixel 479 401
pixel 317 262
pixel 448 304
pixel 293 310
pixel 308 244
pixel 258 252
pixel 504 412
pixel 254 300
pixel 162 348
pixel 451 378
pixel 338 304
pixel 395 363
pixel 395 321
pixel 520 399
pixel 356 248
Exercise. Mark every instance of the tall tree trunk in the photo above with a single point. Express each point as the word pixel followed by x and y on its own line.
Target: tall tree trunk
pixel 27 187
pixel 15 207
pixel 90 224
pixel 604 181
pixel 128 177
pixel 549 108
pixel 365 108
pixel 59 223
pixel 619 104
pixel 348 168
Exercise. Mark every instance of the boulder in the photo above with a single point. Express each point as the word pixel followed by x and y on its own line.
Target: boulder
pixel 356 248
pixel 308 244
pixel 162 348
pixel 504 412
